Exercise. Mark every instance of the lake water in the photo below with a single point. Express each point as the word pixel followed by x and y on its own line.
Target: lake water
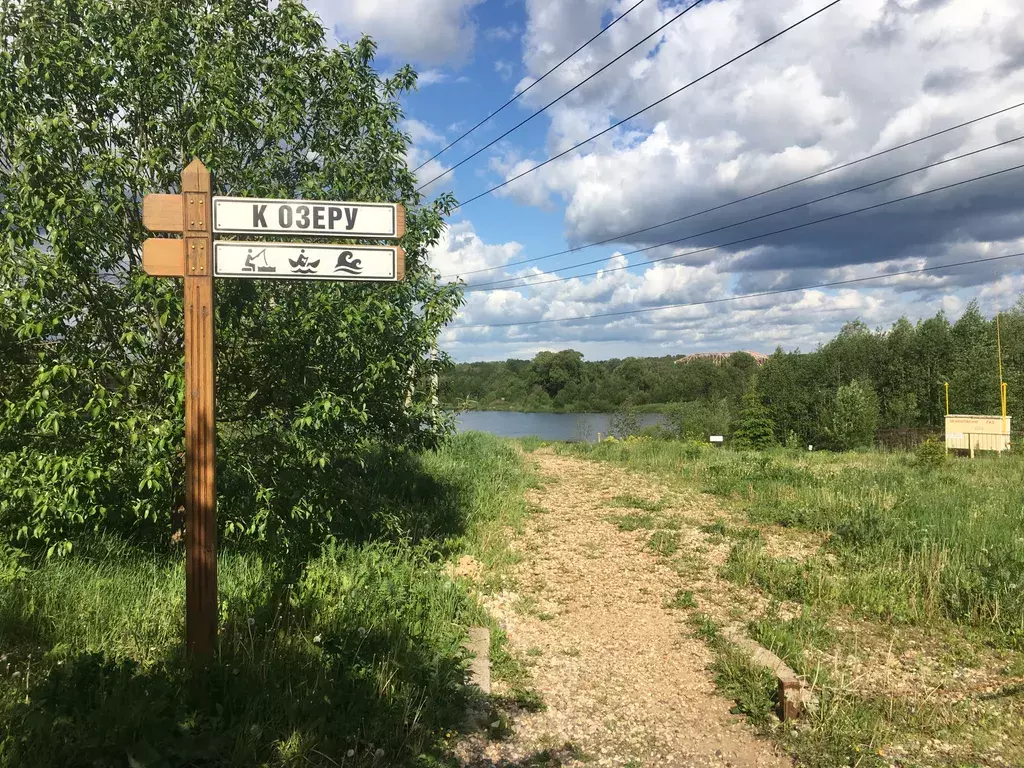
pixel 549 426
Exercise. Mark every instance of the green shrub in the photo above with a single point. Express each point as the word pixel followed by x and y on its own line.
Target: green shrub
pixel 931 453
pixel 853 417
pixel 754 429
pixel 625 422
pixel 699 419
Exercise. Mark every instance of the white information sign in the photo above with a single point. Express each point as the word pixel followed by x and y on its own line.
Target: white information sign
pixel 305 261
pixel 717 439
pixel 253 216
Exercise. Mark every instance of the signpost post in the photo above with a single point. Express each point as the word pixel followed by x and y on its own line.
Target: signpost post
pixel 196 214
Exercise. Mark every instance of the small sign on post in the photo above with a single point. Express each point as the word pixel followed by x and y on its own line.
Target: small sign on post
pixel 302 261
pixel 717 439
pixel 196 214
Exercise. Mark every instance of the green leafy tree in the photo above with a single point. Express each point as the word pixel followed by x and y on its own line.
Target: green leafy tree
pixel 103 102
pixel 974 383
pixel 933 353
pixel 698 419
pixel 853 420
pixel 754 429
pixel 898 375
pixel 553 371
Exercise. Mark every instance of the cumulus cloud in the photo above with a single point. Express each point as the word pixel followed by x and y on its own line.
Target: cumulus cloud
pixel 461 250
pixel 431 77
pixel 503 33
pixel 504 69
pixel 799 318
pixel 421 31
pixel 859 78
pixel 425 143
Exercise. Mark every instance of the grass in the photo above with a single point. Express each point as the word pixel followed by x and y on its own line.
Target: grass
pixel 638 502
pixel 882 541
pixel 352 656
pixel 633 522
pixel 720 531
pixel 683 600
pixel 904 543
pixel 664 543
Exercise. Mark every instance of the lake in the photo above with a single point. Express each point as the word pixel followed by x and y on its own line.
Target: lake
pixel 549 426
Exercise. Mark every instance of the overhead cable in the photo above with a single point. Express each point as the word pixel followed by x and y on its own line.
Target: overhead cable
pixel 752 219
pixel 773 292
pixel 745 239
pixel 587 79
pixel 663 99
pixel 611 24
pixel 833 169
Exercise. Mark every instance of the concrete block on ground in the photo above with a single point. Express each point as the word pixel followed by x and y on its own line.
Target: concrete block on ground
pixel 794 696
pixel 479 645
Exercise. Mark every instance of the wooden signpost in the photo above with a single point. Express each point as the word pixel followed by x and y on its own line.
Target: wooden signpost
pixel 196 214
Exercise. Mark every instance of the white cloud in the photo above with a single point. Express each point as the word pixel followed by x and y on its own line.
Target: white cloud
pixel 430 77
pixel 858 78
pixel 420 132
pixel 797 319
pixel 504 69
pixel 461 250
pixel 861 77
pixel 425 143
pixel 503 33
pixel 422 31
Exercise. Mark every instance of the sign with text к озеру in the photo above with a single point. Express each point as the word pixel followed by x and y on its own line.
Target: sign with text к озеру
pixel 255 216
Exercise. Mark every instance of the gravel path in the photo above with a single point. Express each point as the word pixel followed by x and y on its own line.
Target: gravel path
pixel 624 680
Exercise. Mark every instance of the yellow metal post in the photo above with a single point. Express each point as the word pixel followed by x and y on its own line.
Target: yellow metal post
pixel 1006 428
pixel 947 398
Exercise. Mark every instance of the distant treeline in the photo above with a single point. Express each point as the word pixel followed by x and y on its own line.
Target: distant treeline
pixel 897 375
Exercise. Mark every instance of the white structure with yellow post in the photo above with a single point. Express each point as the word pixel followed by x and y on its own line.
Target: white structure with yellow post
pixel 977 433
pixel 981 433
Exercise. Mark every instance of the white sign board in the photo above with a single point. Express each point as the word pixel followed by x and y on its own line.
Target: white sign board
pixel 717 439
pixel 254 216
pixel 304 261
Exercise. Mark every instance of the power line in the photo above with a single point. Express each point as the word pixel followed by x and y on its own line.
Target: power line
pixel 773 292
pixel 614 21
pixel 479 286
pixel 757 237
pixel 583 82
pixel 625 235
pixel 652 106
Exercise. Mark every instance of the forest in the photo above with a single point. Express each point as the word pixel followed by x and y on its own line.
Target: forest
pixel 882 379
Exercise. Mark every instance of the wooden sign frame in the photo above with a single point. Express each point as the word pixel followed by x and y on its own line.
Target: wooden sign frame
pixel 191 258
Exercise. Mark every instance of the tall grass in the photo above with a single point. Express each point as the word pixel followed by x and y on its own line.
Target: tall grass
pixel 896 539
pixel 904 541
pixel 350 657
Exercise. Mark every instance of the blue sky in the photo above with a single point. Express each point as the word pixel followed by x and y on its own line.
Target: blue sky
pixel 863 76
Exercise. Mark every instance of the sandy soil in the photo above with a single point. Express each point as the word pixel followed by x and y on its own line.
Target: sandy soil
pixel 624 680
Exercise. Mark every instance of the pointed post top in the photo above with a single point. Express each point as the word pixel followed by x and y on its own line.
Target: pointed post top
pixel 195 177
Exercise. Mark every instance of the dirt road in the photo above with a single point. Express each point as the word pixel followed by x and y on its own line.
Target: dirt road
pixel 625 681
